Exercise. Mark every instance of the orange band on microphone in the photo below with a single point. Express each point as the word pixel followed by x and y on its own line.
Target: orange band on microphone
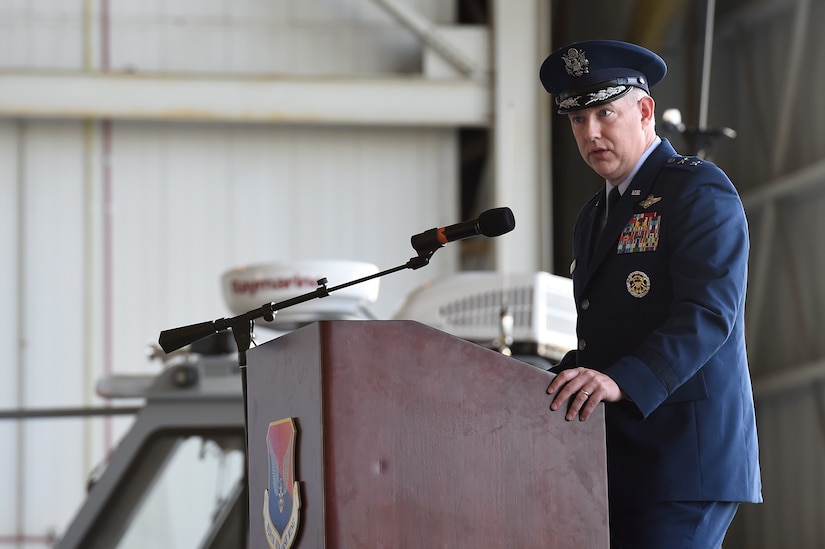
pixel 442 238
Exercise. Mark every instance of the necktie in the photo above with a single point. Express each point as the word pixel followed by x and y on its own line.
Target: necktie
pixel 612 197
pixel 605 207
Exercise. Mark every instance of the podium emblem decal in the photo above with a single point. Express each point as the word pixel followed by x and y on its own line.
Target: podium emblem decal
pixel 282 497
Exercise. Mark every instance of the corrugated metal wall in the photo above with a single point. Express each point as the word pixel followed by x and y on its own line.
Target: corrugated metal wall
pixel 112 231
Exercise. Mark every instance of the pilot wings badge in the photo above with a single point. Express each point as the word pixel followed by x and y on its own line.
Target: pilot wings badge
pixel 282 497
pixel 649 201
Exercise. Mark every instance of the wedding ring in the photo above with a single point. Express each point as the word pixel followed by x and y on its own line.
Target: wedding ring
pixel 585 393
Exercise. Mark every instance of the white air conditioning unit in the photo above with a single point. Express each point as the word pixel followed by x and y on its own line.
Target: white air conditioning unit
pixel 473 305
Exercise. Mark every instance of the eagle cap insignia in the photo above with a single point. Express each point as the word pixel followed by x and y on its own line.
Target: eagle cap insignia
pixel 649 201
pixel 575 63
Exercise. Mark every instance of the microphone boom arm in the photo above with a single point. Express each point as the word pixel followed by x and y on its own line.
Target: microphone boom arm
pixel 241 325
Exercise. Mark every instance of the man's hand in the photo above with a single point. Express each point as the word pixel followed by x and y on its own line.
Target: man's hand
pixel 585 388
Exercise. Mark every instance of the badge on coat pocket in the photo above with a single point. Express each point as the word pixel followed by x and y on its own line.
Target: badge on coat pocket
pixel 641 234
pixel 638 284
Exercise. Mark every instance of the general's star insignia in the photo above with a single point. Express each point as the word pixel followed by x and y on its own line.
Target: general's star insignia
pixel 649 201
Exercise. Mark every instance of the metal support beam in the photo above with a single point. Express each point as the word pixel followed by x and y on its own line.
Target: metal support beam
pixel 518 50
pixel 788 102
pixel 429 34
pixel 328 101
pixel 799 185
pixel 797 378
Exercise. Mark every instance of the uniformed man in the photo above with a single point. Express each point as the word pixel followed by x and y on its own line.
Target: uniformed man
pixel 659 275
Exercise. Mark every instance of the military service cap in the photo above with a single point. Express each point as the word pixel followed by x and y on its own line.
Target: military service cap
pixel 586 74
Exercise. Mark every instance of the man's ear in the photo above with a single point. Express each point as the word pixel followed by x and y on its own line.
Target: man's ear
pixel 647 108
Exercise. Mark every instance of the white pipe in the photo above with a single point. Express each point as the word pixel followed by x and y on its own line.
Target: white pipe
pixel 708 55
pixel 20 482
pixel 107 192
pixel 88 246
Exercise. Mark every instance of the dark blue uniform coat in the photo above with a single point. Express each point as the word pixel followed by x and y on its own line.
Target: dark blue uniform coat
pixel 661 311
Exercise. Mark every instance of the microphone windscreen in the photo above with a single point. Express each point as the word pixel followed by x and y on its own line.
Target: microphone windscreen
pixel 174 339
pixel 496 222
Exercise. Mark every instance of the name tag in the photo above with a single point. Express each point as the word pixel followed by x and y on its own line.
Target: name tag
pixel 641 234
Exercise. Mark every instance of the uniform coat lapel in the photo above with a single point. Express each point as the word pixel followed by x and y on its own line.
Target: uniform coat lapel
pixel 627 205
pixel 585 242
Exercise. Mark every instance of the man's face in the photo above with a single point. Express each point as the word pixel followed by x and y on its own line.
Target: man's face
pixel 612 137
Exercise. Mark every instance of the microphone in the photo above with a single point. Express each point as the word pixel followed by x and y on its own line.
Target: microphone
pixel 493 222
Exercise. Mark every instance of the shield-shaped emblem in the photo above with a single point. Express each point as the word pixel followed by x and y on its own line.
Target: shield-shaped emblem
pixel 282 496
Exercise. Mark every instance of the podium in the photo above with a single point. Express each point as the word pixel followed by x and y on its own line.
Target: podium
pixel 409 437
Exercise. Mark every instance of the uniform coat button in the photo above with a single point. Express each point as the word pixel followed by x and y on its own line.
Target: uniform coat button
pixel 585 304
pixel 582 344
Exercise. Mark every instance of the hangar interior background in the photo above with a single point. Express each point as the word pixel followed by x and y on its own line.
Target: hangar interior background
pixel 146 147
